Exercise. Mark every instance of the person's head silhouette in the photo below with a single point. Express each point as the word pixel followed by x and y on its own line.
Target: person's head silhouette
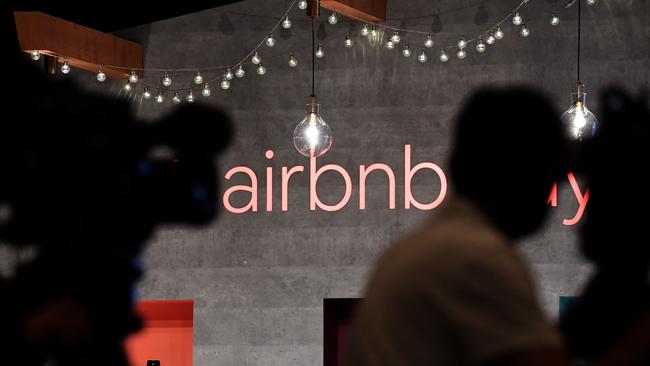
pixel 508 150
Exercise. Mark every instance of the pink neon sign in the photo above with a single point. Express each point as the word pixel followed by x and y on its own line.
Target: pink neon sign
pixel 315 172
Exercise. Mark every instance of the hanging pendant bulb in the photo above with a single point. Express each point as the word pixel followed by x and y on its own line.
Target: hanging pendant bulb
pixel 578 121
pixel 240 73
pixel 395 38
pixel 256 59
pixel 490 39
pixel 293 61
pixel 443 55
pixel 365 31
pixel 198 78
pixel 160 98
pixel 65 68
pixel 166 80
pixel 146 94
pixel 517 19
pixel 35 55
pixel 302 4
pixel 333 18
pixel 225 84
pixel 177 98
pixel 348 41
pixel 270 41
pixel 229 75
pixel 312 136
pixel 406 51
pixel 428 43
pixel 206 92
pixel 190 97
pixel 286 23
pixel 133 78
pixel 498 34
pixel 525 31
pixel 101 75
pixel 320 53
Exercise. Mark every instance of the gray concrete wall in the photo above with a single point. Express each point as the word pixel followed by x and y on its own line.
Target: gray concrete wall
pixel 258 280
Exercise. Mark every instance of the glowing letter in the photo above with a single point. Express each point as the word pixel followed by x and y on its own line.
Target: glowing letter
pixel 286 175
pixel 408 175
pixel 313 181
pixel 363 173
pixel 582 201
pixel 252 204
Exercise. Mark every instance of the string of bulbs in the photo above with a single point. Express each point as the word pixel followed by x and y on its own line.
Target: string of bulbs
pixel 368 29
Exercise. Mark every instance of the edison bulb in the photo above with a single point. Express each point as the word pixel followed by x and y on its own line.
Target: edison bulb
pixel 256 58
pixel 270 41
pixel 293 61
pixel 133 78
pixel 461 54
pixel 302 4
pixel 229 75
pixel 312 136
pixel 146 94
pixel 65 68
pixel 490 38
pixel 406 51
pixel 517 19
pixel 206 92
pixel 261 70
pixel 498 34
pixel 190 97
pixel 35 55
pixel 365 31
pixel 225 84
pixel 462 43
pixel 578 121
pixel 395 38
pixel 428 43
pixel 422 57
pixel 167 80
pixel 319 51
pixel 101 76
pixel 286 23
pixel 390 45
pixel 198 78
pixel 160 98
pixel 443 55
pixel 480 46
pixel 240 72
pixel 555 20
pixel 525 31
pixel 348 41
pixel 333 18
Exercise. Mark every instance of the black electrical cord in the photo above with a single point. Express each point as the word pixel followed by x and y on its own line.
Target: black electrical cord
pixel 579 29
pixel 313 58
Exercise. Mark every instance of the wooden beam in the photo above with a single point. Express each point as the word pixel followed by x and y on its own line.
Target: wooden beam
pixel 82 47
pixel 365 10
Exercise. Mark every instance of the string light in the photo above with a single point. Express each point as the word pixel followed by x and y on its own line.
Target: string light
pixel 443 55
pixel 160 98
pixel 225 84
pixel 240 72
pixel 373 31
pixel 461 54
pixel 333 18
pixel 302 4
pixel 261 70
pixel 555 20
pixel 177 98
pixel 293 61
pixel 348 41
pixel 206 92
pixel 198 78
pixel 406 51
pixel 525 32
pixel 428 43
pixel 395 38
pixel 166 80
pixel 490 39
pixel 133 78
pixel 498 34
pixel 146 93
pixel 517 19
pixel 256 58
pixel 364 30
pixel 101 75
pixel 422 57
pixel 286 23
pixel 127 87
pixel 270 41
pixel 229 75
pixel 591 2
pixel 36 55
pixel 390 45
pixel 480 45
pixel 462 43
pixel 190 97
pixel 65 68
pixel 319 51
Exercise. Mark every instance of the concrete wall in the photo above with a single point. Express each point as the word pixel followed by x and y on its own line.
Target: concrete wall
pixel 258 280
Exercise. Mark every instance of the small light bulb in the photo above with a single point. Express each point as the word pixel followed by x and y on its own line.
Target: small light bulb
pixel 525 31
pixel 443 55
pixel 333 18
pixel 390 45
pixel 198 78
pixel 101 75
pixel 160 98
pixel 517 19
pixel 428 43
pixel 229 75
pixel 256 58
pixel 365 31
pixel 373 31
pixel 261 69
pixel 302 4
pixel 133 78
pixel 395 38
pixel 36 55
pixel 127 87
pixel 422 57
pixel 190 97
pixel 206 92
pixel 293 61
pixel 146 94
pixel 286 23
pixel 240 72
pixel 555 20
pixel 461 54
pixel 348 41
pixel 480 46
pixel 491 38
pixel 591 2
pixel 406 51
pixel 270 41
pixel 319 51
pixel 167 80
pixel 177 98
pixel 225 84
pixel 462 43
pixel 65 68
pixel 498 34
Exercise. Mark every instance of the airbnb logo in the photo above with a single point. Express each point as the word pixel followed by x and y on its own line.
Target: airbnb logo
pixel 315 172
